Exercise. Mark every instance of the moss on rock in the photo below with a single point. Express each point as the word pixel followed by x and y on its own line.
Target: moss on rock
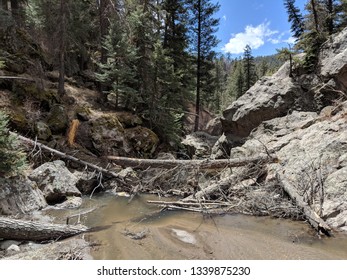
pixel 58 119
pixel 143 140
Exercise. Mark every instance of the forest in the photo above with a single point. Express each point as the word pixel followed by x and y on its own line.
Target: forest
pixel 152 57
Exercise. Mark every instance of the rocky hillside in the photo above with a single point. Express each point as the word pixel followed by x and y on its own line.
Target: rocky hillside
pixel 303 120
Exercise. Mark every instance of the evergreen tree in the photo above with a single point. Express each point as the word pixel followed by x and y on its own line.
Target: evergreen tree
pixel 341 14
pixel 286 54
pixel 119 69
pixel 295 18
pixel 203 40
pixel 250 75
pixel 13 159
pixel 236 82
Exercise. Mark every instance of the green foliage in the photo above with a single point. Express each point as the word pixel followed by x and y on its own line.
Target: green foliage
pixel 250 76
pixel 295 18
pixel 119 71
pixel 13 159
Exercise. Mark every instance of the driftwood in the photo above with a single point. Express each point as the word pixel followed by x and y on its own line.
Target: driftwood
pixel 65 156
pixel 34 231
pixel 194 164
pixel 312 217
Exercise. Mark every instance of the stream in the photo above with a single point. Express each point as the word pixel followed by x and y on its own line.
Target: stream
pixel 140 231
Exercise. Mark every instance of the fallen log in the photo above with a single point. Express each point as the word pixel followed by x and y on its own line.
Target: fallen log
pixel 312 217
pixel 194 164
pixel 65 156
pixel 34 231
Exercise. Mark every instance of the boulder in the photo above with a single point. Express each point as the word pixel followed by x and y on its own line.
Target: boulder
pixel 214 127
pixel 102 134
pixel 20 195
pixel 311 149
pixel 141 140
pixel 55 181
pixel 58 119
pixel 199 144
pixel 42 131
pixel 269 98
pixel 279 95
pixel 333 58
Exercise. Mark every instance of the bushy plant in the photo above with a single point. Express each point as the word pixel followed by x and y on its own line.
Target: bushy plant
pixel 12 157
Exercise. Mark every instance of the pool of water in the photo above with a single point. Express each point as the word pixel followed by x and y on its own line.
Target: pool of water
pixel 138 230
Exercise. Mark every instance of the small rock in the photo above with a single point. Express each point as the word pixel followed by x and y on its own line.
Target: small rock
pixel 13 248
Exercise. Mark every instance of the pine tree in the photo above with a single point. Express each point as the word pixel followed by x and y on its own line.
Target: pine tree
pixel 12 158
pixel 248 68
pixel 203 40
pixel 236 83
pixel 295 18
pixel 119 70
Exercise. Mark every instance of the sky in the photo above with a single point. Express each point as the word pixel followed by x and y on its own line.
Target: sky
pixel 262 24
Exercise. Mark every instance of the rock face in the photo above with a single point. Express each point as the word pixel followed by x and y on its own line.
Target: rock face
pixel 55 181
pixel 20 195
pixel 312 152
pixel 278 95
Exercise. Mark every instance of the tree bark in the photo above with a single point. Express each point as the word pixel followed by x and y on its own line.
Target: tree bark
pixel 28 230
pixel 198 72
pixel 196 164
pixel 61 88
pixel 312 217
pixel 315 15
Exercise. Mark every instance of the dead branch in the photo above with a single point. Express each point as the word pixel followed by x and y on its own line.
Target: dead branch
pixel 193 164
pixel 312 217
pixel 65 156
pixel 221 185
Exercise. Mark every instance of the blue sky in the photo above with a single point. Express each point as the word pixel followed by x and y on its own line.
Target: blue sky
pixel 263 24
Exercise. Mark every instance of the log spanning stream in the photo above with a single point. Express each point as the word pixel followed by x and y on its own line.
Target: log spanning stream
pixel 138 230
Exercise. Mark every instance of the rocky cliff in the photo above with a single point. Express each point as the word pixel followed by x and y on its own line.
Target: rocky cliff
pixel 304 121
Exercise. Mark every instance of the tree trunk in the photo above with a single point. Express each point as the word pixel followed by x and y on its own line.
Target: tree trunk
pixel 330 18
pixel 34 231
pixel 312 217
pixel 195 164
pixel 103 29
pixel 198 72
pixel 315 15
pixel 61 88
pixel 17 11
pixel 4 5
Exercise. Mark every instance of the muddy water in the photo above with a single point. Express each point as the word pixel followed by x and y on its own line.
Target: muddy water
pixel 182 235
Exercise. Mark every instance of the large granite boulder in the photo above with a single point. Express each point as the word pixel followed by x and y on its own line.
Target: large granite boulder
pixel 20 195
pixel 55 181
pixel 279 95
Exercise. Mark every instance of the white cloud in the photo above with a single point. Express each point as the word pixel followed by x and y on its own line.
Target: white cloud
pixel 253 36
pixel 291 40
